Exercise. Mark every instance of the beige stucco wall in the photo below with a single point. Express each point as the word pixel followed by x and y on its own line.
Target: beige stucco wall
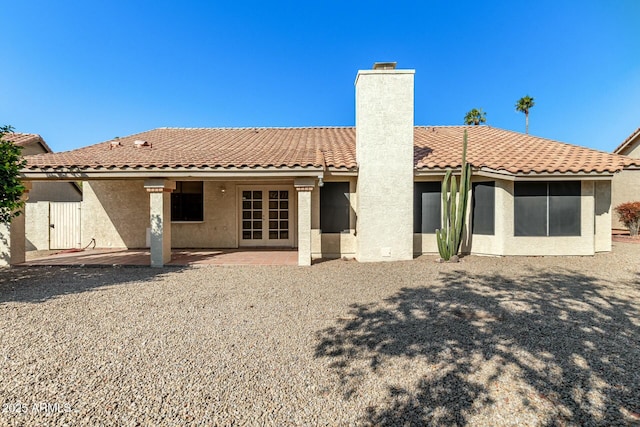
pixel 37 207
pixel 632 149
pixel 480 244
pixel 304 222
pixel 487 244
pixel 538 246
pixel 115 214
pixel 50 191
pixel 603 213
pixel 595 230
pixel 37 226
pixel 220 226
pixel 384 150
pixel 54 192
pixel 625 188
pixel 333 245
pixel 5 245
pixel 425 243
pixel 12 241
pixel 37 210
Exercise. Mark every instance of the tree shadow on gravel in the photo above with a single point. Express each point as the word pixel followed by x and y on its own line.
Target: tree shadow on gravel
pixel 571 345
pixel 39 284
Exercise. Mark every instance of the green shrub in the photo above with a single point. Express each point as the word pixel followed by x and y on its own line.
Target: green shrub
pixel 11 187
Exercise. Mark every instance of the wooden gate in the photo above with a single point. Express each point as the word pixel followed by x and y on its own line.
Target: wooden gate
pixel 64 225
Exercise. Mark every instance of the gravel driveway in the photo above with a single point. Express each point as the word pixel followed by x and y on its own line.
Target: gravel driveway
pixel 487 341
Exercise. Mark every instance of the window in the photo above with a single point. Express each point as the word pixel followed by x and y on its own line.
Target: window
pixel 334 207
pixel 187 201
pixel 564 208
pixel 426 206
pixel 483 207
pixel 547 208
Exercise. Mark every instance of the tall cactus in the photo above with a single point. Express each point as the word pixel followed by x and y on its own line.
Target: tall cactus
pixel 454 208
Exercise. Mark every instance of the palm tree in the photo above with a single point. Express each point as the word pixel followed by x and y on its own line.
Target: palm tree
pixel 523 105
pixel 475 117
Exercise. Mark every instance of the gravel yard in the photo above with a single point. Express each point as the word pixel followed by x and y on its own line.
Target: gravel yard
pixel 488 341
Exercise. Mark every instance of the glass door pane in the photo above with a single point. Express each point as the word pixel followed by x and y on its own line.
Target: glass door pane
pixel 252 215
pixel 278 215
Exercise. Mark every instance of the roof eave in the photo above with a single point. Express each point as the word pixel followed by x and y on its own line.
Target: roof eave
pixel 520 176
pixel 547 176
pixel 627 142
pixel 82 174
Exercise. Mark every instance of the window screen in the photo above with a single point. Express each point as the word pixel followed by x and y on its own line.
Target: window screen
pixel 484 207
pixel 187 201
pixel 564 208
pixel 334 207
pixel 426 206
pixel 530 208
pixel 547 208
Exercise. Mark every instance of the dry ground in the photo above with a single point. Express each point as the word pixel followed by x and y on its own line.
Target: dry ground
pixel 488 341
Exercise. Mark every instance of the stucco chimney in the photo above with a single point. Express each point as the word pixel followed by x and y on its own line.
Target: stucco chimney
pixel 384 151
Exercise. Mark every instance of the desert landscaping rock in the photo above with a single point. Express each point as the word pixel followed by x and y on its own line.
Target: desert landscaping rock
pixel 484 342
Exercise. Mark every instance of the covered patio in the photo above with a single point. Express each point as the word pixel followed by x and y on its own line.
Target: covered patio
pixel 179 257
pixel 173 188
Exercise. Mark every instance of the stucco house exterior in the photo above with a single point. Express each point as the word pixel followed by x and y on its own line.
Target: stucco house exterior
pixel 371 192
pixel 626 184
pixel 42 195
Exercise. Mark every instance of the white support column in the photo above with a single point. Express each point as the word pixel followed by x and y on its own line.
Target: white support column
pixel 160 219
pixel 602 196
pixel 304 187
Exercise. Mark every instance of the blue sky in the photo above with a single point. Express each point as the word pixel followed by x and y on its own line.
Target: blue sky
pixel 81 72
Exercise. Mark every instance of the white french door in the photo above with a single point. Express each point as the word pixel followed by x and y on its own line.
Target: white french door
pixel 266 216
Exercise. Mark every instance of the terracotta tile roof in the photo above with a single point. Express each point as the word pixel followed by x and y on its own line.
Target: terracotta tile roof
pixel 26 139
pixel 248 147
pixel 627 141
pixel 502 150
pixel 436 147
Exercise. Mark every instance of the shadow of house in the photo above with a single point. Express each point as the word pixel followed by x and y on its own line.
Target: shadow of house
pixel 421 153
pixel 574 345
pixel 39 284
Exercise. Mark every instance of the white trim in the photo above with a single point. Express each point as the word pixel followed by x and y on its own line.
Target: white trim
pixel 172 173
pixel 508 176
pixel 520 176
pixel 563 178
pixel 341 172
pixel 186 174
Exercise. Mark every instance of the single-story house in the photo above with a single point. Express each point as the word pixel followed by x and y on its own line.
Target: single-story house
pixel 371 192
pixel 625 186
pixel 44 196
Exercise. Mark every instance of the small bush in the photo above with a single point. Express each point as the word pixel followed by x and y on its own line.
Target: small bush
pixel 629 214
